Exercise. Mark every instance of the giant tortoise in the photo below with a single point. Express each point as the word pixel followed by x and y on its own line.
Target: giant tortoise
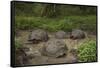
pixel 54 48
pixel 38 35
pixel 60 34
pixel 77 34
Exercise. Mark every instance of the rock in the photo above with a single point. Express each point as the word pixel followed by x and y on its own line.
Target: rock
pixel 60 35
pixel 54 48
pixel 33 54
pixel 38 35
pixel 72 59
pixel 77 34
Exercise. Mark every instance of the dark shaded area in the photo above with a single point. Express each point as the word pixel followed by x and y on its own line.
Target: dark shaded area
pixel 52 10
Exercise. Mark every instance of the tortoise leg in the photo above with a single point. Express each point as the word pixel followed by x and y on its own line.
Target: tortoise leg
pixel 36 41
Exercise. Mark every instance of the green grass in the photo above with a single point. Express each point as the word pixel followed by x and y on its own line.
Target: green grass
pixel 67 23
pixel 18 43
pixel 87 51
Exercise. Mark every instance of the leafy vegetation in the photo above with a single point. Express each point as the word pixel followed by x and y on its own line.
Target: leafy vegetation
pixel 66 24
pixel 87 51
pixel 54 17
pixel 18 44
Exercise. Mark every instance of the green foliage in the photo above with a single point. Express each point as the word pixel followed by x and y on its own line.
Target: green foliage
pixel 87 23
pixel 18 44
pixel 67 24
pixel 54 17
pixel 87 51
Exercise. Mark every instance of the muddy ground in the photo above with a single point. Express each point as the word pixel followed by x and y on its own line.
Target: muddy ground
pixel 40 59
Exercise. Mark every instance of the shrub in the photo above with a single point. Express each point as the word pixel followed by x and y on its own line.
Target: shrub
pixel 87 51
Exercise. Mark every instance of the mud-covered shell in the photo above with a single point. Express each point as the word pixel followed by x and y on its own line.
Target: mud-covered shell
pixel 54 48
pixel 60 35
pixel 77 34
pixel 38 34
